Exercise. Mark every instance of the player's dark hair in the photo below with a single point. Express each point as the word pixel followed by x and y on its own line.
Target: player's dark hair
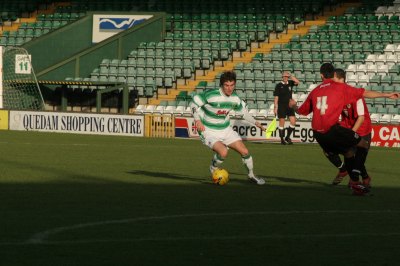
pixel 327 70
pixel 340 74
pixel 227 76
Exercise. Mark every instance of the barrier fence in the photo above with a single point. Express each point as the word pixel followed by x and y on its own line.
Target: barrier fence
pixel 160 126
pixel 163 126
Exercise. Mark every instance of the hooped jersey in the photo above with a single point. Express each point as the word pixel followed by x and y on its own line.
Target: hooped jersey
pixel 212 107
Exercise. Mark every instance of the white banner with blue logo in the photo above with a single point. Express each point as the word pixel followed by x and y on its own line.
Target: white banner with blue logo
pixel 107 25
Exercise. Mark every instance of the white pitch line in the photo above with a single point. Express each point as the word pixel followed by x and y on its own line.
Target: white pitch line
pixel 203 238
pixel 41 237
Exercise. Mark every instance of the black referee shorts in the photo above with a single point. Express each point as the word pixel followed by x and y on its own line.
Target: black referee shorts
pixel 337 140
pixel 284 111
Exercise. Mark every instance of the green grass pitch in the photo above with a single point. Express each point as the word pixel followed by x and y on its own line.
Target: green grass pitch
pixel 95 200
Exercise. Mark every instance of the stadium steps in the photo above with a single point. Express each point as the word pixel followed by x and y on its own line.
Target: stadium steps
pixel 191 84
pixel 247 57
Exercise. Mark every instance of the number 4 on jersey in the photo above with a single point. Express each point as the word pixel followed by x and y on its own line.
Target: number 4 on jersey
pixel 321 104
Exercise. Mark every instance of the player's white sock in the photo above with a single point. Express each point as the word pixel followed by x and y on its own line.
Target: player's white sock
pixel 216 162
pixel 248 162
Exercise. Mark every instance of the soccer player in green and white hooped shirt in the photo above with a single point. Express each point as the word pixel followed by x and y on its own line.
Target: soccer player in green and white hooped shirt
pixel 210 110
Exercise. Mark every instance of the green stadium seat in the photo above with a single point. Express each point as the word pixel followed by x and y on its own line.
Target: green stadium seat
pixel 393 110
pixel 383 20
pixel 327 57
pixel 355 38
pixel 359 58
pixel 259 77
pixel 396 38
pixel 341 19
pixel 325 47
pixel 331 29
pixel 386 38
pixel 317 58
pixel 308 67
pixel 381 110
pixel 3 41
pixel 335 38
pixel 295 38
pixel 307 58
pixel 384 29
pixel 373 29
pixel 394 29
pixel 323 38
pixel 394 70
pixel 262 33
pixel 331 20
pixel 375 80
pixel 372 20
pixel 367 48
pixel 341 29
pixel 338 58
pixel 386 80
pixel 268 66
pixel 345 38
pixel 297 48
pixel 393 20
pixel 352 20
pixel 310 78
pixel 315 48
pixel 305 39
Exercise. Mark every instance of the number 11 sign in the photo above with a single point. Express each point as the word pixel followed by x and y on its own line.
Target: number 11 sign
pixel 23 64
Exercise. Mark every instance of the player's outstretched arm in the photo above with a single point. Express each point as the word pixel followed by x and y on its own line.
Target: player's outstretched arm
pixel 376 94
pixel 394 95
pixel 258 124
pixel 249 118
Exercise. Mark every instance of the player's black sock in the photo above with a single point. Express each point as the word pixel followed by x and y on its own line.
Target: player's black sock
pixel 336 161
pixel 281 133
pixel 364 173
pixel 350 163
pixel 361 157
pixel 290 131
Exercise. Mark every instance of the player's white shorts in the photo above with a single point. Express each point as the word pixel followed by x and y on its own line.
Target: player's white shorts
pixel 227 136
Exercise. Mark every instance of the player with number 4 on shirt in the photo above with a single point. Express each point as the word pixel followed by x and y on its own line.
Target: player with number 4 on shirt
pixel 326 103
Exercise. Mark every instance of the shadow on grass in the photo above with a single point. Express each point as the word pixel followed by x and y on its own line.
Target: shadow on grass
pixel 287 179
pixel 172 176
pixel 203 180
pixel 206 180
pixel 297 180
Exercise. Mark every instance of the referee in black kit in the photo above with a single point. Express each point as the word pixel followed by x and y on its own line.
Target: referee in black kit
pixel 282 95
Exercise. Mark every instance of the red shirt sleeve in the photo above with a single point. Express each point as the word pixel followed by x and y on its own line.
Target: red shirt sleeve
pixel 352 94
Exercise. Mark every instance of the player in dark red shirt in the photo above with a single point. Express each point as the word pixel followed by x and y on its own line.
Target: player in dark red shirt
pixel 326 102
pixel 356 117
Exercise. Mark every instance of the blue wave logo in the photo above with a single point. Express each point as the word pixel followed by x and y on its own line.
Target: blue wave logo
pixel 118 23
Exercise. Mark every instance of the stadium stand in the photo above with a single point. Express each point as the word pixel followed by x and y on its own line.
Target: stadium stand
pixel 257 39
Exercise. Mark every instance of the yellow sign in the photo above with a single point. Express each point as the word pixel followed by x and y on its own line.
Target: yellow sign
pixel 3 119
pixel 160 126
